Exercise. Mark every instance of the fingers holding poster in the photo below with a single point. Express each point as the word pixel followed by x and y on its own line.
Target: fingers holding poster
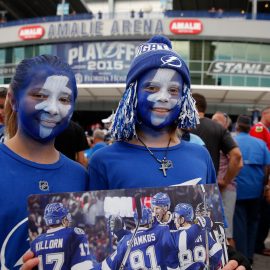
pixel 171 228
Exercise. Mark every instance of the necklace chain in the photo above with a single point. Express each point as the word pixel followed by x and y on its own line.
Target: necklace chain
pixel 165 163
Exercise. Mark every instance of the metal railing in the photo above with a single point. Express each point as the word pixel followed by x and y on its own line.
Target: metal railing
pixel 137 15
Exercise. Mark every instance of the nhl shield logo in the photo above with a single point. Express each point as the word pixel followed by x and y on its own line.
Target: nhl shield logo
pixel 43 185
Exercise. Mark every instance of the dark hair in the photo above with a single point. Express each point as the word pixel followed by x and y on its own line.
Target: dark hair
pixel 243 123
pixel 201 103
pixel 3 92
pixel 40 67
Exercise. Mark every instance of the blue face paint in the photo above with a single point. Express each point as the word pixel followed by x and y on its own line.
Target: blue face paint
pixel 159 95
pixel 44 109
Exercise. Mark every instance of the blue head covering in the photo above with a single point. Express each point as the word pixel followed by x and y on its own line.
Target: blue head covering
pixel 155 53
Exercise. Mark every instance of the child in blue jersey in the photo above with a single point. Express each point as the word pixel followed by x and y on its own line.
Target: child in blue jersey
pixel 39 105
pixel 147 151
pixel 61 246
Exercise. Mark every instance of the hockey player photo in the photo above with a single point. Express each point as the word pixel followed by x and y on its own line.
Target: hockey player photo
pixel 132 229
pixel 61 247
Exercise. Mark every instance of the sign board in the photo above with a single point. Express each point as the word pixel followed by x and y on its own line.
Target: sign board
pixel 98 62
pixel 7 70
pixel 239 68
pixel 62 9
pixel 31 32
pixel 186 26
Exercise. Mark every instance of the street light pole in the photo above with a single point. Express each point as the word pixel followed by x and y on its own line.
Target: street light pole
pixel 62 14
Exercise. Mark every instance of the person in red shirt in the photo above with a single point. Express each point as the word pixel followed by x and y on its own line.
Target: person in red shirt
pixel 261 129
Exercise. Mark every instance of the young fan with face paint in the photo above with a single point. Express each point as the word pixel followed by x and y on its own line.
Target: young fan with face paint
pixel 39 106
pixel 147 151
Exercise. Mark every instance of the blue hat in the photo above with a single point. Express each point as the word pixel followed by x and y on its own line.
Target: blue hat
pixel 155 53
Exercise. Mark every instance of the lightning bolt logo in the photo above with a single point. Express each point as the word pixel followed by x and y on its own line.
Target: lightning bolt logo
pixel 13 237
pixel 171 60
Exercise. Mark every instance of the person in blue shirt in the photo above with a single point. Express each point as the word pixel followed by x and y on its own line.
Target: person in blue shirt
pixel 61 245
pixel 39 105
pixel 98 143
pixel 147 151
pixel 250 186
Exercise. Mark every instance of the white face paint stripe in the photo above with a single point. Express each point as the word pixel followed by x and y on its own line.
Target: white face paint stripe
pixel 168 74
pixel 55 86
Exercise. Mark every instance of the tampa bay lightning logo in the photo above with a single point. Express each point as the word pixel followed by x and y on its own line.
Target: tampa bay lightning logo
pixel 14 246
pixel 171 60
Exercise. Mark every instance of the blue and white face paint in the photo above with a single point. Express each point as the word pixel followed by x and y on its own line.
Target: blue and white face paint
pixel 159 97
pixel 45 110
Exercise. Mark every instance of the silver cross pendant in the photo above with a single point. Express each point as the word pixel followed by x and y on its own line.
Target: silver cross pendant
pixel 165 165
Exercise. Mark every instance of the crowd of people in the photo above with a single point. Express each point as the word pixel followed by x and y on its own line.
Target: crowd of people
pixel 147 148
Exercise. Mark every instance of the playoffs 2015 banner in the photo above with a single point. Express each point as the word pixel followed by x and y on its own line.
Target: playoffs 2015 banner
pixel 98 62
pixel 153 228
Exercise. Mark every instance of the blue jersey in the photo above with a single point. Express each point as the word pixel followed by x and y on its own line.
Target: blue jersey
pixel 151 249
pixel 123 165
pixel 62 249
pixel 191 244
pixel 19 178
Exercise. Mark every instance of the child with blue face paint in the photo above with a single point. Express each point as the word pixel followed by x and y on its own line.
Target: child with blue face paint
pixel 39 105
pixel 147 151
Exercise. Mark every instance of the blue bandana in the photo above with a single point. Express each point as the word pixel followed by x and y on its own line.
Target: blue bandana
pixel 155 53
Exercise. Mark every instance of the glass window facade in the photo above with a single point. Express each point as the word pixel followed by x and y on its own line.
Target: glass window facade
pixel 199 55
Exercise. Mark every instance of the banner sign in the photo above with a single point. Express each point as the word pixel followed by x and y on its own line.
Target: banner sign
pixel 31 32
pixel 239 68
pixel 186 26
pixel 98 62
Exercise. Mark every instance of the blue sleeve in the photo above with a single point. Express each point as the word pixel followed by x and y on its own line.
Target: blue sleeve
pixel 80 254
pixel 170 250
pixel 211 172
pixel 215 252
pixel 97 175
pixel 114 260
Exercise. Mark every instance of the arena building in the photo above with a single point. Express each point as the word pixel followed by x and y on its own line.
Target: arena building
pixel 227 48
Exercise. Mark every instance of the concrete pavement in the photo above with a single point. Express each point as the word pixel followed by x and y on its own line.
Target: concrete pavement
pixel 262 262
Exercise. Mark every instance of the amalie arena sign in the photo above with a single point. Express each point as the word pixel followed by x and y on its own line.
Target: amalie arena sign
pixel 186 27
pixel 97 28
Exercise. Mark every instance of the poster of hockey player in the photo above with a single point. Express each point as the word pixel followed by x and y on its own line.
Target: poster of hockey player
pixel 152 228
